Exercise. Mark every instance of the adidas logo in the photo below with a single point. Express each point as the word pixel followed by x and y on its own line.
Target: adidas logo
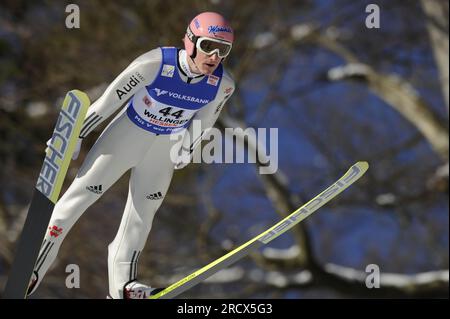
pixel 154 196
pixel 95 189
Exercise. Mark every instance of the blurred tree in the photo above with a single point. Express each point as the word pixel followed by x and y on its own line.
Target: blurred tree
pixel 310 68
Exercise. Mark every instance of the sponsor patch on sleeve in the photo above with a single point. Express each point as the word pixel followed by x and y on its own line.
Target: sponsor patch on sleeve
pixel 228 90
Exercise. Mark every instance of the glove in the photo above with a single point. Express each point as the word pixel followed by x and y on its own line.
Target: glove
pixel 183 160
pixel 76 151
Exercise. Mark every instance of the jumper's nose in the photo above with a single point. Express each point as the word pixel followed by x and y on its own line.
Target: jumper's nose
pixel 214 57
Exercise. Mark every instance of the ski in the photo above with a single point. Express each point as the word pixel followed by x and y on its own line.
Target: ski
pixel 46 193
pixel 351 176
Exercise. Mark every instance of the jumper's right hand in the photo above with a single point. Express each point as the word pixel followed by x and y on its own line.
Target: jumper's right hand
pixel 76 151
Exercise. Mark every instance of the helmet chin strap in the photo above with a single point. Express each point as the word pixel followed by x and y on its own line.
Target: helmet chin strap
pixel 193 61
pixel 198 69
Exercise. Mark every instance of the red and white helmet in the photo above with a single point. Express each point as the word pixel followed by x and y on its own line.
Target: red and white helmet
pixel 207 25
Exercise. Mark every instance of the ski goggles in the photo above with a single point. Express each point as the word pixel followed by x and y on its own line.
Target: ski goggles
pixel 210 46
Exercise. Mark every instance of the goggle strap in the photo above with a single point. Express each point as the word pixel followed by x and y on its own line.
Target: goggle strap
pixel 191 36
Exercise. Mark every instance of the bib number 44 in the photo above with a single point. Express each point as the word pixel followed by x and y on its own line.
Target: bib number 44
pixel 168 111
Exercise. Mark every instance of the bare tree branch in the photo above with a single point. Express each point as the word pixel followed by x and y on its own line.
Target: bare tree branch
pixel 437 25
pixel 401 96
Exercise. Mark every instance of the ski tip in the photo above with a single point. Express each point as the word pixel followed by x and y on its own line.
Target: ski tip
pixel 81 95
pixel 363 165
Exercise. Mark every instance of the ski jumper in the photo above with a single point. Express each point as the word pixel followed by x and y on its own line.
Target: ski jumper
pixel 161 98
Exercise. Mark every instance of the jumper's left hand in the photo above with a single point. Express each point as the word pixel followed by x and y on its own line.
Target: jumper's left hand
pixel 183 160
